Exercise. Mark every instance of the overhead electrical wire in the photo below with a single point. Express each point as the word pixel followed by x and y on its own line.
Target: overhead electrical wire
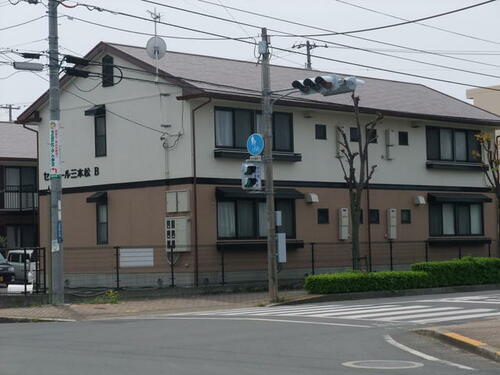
pixel 93 7
pixel 418 23
pixel 22 23
pixel 325 41
pixel 407 21
pixel 347 35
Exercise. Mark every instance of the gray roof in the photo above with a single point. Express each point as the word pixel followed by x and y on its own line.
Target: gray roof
pixel 16 142
pixel 241 80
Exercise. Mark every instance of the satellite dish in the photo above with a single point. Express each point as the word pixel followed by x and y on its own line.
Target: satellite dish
pixel 156 48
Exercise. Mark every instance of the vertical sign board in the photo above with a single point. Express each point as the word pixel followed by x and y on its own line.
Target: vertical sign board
pixel 55 149
pixel 281 244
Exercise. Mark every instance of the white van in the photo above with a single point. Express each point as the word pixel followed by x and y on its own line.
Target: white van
pixel 17 259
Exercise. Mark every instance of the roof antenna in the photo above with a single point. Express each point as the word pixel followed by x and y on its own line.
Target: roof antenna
pixel 156 46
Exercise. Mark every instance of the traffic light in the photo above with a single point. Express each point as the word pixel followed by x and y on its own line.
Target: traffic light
pixel 251 176
pixel 331 84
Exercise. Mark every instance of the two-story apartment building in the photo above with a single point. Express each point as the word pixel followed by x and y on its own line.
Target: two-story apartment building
pixel 150 160
pixel 18 185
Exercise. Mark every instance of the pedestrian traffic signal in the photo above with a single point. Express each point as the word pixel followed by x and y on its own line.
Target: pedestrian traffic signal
pixel 251 176
pixel 327 85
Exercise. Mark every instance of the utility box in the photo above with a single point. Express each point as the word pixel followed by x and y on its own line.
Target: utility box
pixel 392 223
pixel 343 224
pixel 177 201
pixel 178 233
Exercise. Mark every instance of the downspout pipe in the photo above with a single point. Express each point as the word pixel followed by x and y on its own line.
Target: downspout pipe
pixel 195 189
pixel 37 187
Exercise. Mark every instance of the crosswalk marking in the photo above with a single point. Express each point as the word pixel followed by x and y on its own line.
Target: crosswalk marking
pixel 319 311
pixel 369 310
pixel 390 313
pixel 425 315
pixel 460 317
pixel 386 313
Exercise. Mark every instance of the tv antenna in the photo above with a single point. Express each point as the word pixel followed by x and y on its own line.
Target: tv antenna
pixel 156 47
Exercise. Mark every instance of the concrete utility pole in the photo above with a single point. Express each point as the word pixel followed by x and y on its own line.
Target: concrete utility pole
pixel 55 178
pixel 10 107
pixel 309 47
pixel 267 112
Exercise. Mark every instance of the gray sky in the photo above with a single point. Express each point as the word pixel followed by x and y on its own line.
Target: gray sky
pixel 78 38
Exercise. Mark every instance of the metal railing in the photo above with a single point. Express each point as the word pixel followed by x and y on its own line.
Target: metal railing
pixel 158 267
pixel 19 197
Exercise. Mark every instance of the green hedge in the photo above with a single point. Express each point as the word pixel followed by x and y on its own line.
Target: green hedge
pixel 465 271
pixel 362 282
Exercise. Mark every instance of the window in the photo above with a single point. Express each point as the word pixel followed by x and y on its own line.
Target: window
pixel 405 216
pixel 108 78
pixel 371 135
pixel 320 131
pixel 21 235
pixel 100 134
pixel 373 216
pixel 354 134
pixel 19 190
pixel 323 216
pixel 233 126
pixel 403 138
pixel 361 216
pixel 452 144
pixel 246 218
pixel 455 219
pixel 102 223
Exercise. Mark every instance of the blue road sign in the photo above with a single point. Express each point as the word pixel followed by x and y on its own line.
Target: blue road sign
pixel 255 144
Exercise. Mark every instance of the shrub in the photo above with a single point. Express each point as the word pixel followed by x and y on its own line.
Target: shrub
pixel 360 282
pixel 465 271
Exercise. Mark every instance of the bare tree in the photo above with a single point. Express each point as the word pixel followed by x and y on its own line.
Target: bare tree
pixel 491 167
pixel 357 174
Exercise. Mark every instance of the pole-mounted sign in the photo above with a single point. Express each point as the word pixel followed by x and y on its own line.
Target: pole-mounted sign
pixel 255 144
pixel 55 149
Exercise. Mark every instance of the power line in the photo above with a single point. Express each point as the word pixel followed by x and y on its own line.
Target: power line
pixel 22 23
pixel 407 21
pixel 107 110
pixel 418 23
pixel 144 33
pixel 347 35
pixel 325 41
pixel 93 7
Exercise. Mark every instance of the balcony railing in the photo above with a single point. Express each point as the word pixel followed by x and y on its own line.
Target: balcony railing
pixel 18 198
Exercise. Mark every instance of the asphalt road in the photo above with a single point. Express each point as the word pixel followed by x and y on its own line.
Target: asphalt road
pixel 281 340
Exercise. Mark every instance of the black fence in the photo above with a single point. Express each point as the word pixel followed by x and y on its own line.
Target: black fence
pixel 152 266
pixel 29 266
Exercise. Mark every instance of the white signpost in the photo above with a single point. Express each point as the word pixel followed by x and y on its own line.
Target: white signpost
pixel 54 148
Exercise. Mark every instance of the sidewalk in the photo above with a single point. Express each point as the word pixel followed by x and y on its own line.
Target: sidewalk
pixel 480 337
pixel 86 311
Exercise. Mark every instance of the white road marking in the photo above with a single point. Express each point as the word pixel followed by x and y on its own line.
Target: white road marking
pixel 321 311
pixel 255 319
pixel 459 317
pixel 427 357
pixel 368 310
pixel 456 317
pixel 363 316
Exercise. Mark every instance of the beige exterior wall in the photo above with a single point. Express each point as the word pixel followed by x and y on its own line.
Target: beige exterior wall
pixel 486 99
pixel 137 219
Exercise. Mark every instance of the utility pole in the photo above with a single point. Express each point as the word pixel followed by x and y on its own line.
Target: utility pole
pixel 267 112
pixel 57 279
pixel 10 107
pixel 309 47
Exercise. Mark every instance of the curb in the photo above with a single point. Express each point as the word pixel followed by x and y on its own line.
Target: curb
pixel 455 339
pixel 386 293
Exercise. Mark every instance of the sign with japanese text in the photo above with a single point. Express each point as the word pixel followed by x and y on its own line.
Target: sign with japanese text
pixel 75 173
pixel 55 149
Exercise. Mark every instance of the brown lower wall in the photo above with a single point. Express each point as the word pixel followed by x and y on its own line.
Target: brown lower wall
pixel 136 218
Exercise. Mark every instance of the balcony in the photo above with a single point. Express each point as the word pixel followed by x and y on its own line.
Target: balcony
pixel 18 198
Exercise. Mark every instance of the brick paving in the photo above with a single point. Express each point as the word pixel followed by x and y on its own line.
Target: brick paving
pixel 87 311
